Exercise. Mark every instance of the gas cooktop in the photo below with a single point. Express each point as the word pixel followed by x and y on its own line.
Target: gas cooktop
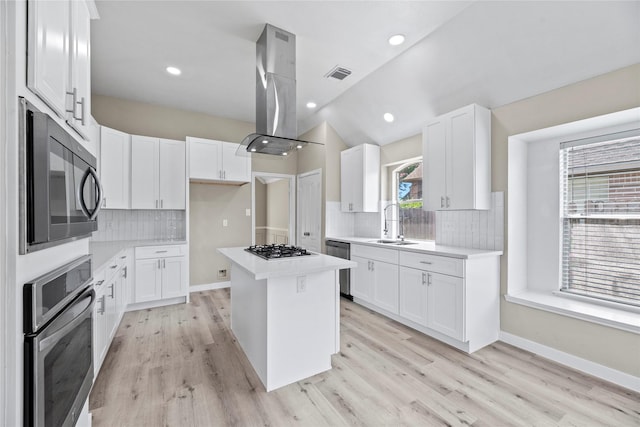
pixel 277 251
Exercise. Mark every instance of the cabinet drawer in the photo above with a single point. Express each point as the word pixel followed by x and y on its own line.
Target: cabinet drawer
pixel 379 254
pixel 98 278
pixel 435 263
pixel 146 252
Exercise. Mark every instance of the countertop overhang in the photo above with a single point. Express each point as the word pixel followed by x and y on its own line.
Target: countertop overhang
pixel 283 267
pixel 421 247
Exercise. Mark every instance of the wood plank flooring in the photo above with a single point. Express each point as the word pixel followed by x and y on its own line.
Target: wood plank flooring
pixel 181 366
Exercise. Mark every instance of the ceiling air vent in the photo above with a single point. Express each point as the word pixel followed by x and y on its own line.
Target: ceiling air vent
pixel 338 72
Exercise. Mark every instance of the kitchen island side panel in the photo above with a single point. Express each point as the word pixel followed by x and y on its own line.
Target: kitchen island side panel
pixel 249 317
pixel 301 327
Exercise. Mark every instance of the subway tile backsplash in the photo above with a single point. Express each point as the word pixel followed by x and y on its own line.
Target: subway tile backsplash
pixel 468 229
pixel 140 225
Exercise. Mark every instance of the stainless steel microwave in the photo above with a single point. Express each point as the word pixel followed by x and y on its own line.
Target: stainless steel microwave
pixel 60 193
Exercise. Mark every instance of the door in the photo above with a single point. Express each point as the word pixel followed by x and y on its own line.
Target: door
pixel 434 187
pixel 173 277
pixel 205 159
pixel 148 280
pixel 347 178
pixel 445 308
pixel 80 71
pixel 115 152
pixel 48 52
pixel 361 286
pixel 172 174
pixel 460 160
pixel 413 295
pixel 144 173
pixel 235 167
pixel 385 285
pixel 310 210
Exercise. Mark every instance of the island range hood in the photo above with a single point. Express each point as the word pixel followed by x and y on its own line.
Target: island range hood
pixel 276 125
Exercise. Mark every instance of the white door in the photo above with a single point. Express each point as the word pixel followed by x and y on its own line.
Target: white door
pixel 172 174
pixel 434 149
pixel 460 160
pixel 115 151
pixel 148 280
pixel 205 159
pixel 144 173
pixel 361 286
pixel 385 285
pixel 173 277
pixel 445 305
pixel 310 210
pixel 80 66
pixel 235 167
pixel 413 295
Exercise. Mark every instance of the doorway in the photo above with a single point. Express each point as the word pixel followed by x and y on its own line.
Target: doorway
pixel 310 210
pixel 273 201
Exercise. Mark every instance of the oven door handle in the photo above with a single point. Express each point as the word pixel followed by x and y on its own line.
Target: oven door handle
pixel 44 344
pixel 91 215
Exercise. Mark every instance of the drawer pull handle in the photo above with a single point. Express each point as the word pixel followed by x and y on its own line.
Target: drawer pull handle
pixel 161 252
pixel 123 257
pixel 426 262
pixel 99 283
pixel 113 266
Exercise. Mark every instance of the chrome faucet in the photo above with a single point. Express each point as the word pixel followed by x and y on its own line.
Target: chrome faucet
pixel 400 222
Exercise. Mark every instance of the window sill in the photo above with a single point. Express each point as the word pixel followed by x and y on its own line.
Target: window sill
pixel 566 306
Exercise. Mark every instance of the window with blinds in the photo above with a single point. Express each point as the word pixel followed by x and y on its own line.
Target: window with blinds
pixel 600 190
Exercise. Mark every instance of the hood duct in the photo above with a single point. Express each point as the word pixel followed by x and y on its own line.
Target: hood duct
pixel 276 121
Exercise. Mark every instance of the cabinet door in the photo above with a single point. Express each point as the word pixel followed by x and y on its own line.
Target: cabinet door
pixel 205 159
pixel 361 286
pixel 172 174
pixel 385 285
pixel 445 305
pixel 173 277
pixel 351 179
pixel 144 173
pixel 80 71
pixel 115 149
pixel 434 160
pixel 235 167
pixel 148 280
pixel 413 295
pixel 460 159
pixel 48 52
pixel 110 293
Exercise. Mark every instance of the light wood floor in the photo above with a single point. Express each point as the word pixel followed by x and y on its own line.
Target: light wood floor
pixel 181 366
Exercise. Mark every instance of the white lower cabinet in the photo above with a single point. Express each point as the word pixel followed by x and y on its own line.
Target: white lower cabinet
pixel 161 273
pixel 453 299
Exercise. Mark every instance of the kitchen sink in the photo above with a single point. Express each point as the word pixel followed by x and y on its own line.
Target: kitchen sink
pixel 394 242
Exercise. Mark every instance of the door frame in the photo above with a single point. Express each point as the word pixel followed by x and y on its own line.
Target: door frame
pixel 292 203
pixel 302 175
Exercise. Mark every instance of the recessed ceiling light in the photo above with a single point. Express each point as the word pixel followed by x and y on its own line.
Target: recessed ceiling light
pixel 265 141
pixel 388 117
pixel 284 154
pixel 299 146
pixel 396 39
pixel 311 104
pixel 174 71
pixel 253 150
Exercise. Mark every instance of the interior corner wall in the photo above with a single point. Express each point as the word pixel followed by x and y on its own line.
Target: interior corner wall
pixel 611 92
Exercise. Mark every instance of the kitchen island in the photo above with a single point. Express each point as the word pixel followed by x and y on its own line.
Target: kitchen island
pixel 285 313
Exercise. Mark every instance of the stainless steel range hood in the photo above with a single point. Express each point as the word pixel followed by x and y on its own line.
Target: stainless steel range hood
pixel 276 123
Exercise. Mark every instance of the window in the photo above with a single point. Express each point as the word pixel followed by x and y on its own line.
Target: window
pixel 600 210
pixel 413 221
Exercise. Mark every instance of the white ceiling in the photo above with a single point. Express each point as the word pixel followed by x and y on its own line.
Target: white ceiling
pixel 488 52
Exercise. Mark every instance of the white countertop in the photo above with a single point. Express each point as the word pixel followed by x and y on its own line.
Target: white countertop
pixel 422 247
pixel 102 252
pixel 268 269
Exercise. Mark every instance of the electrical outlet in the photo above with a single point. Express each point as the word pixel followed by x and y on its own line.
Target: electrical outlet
pixel 301 284
pixel 247 212
pixel 222 274
pixel 225 222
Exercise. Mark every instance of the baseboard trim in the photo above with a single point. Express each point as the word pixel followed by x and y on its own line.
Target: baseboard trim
pixel 209 286
pixel 597 370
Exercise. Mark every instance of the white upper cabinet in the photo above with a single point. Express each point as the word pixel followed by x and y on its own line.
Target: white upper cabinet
pixel 217 161
pixel 457 159
pixel 360 178
pixel 115 167
pixel 158 173
pixel 58 60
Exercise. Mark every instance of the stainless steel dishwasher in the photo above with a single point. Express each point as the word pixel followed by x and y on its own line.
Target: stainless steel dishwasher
pixel 341 250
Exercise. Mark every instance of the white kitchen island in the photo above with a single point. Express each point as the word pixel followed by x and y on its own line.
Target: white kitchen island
pixel 285 313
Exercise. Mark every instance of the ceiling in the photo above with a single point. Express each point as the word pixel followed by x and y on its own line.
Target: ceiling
pixel 456 52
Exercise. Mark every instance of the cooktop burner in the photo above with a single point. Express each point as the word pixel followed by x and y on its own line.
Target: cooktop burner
pixel 277 251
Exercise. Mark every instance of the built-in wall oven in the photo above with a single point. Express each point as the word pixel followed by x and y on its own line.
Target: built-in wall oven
pixel 58 362
pixel 60 193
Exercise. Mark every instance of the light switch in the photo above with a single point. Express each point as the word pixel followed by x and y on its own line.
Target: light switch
pixel 225 222
pixel 301 284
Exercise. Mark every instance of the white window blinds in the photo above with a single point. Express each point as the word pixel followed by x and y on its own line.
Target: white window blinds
pixel 600 189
